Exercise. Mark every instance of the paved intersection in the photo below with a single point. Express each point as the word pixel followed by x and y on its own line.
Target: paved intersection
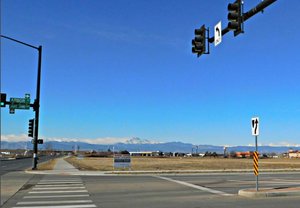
pixel 67 187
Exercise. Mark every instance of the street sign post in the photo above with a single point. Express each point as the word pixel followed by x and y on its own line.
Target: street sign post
pixel 255 132
pixel 218 33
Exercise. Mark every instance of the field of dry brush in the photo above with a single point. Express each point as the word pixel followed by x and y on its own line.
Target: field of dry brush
pixel 178 163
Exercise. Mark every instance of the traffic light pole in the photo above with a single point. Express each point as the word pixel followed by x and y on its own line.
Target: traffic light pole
pixel 260 7
pixel 36 108
pixel 36 104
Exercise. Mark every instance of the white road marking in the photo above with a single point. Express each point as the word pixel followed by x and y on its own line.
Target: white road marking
pixel 59 185
pixel 65 190
pixel 56 196
pixel 56 188
pixel 195 186
pixel 55 202
pixel 60 206
pixel 55 192
pixel 60 182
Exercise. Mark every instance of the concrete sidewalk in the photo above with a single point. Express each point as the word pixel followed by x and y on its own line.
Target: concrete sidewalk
pixel 62 167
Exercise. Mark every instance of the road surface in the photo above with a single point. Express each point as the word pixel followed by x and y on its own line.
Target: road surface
pixel 19 164
pixel 13 177
pixel 176 191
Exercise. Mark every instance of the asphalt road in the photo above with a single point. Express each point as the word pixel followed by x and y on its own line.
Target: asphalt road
pixel 19 164
pixel 13 177
pixel 198 190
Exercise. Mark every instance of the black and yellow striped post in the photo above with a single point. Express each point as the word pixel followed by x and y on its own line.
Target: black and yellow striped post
pixel 255 163
pixel 255 167
pixel 255 132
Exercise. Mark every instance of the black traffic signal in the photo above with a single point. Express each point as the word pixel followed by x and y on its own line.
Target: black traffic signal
pixel 199 42
pixel 235 17
pixel 31 127
pixel 3 99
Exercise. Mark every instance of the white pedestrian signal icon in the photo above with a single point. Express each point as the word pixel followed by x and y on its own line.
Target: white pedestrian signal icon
pixel 255 126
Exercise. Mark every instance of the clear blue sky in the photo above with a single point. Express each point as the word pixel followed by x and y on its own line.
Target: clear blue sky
pixel 124 68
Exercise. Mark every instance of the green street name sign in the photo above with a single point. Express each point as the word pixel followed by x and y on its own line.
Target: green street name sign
pixel 19 103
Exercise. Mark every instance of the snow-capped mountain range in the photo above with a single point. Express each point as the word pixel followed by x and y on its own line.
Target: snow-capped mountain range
pixel 138 144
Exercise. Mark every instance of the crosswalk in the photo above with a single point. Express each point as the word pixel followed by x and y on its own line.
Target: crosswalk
pixel 58 192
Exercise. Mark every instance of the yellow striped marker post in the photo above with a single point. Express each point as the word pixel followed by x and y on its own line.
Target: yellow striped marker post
pixel 255 132
pixel 255 163
pixel 255 167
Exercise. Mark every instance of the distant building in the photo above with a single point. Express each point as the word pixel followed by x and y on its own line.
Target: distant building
pixel 294 154
pixel 143 154
pixel 248 154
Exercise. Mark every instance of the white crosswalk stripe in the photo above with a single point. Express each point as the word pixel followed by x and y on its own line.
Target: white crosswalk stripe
pixel 57 188
pixel 63 206
pixel 58 185
pixel 63 180
pixel 53 192
pixel 57 196
pixel 57 193
pixel 56 202
pixel 59 182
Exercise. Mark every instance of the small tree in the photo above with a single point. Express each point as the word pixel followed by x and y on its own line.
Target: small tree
pixel 214 154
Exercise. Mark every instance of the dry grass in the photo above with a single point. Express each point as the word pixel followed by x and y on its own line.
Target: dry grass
pixel 47 165
pixel 91 163
pixel 177 163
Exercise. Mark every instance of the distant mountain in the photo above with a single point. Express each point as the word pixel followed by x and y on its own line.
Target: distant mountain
pixel 137 144
pixel 136 140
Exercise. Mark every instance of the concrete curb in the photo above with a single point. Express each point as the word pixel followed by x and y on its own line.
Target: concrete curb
pixel 6 159
pixel 116 173
pixel 248 171
pixel 270 192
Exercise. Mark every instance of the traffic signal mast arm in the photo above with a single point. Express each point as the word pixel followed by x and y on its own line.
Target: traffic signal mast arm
pixel 260 7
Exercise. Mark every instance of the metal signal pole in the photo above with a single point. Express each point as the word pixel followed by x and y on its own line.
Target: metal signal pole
pixel 36 108
pixel 36 104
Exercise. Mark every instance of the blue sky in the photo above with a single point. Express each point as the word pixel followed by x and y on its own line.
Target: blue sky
pixel 124 68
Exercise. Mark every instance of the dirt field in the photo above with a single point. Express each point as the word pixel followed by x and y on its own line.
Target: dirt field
pixel 177 163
